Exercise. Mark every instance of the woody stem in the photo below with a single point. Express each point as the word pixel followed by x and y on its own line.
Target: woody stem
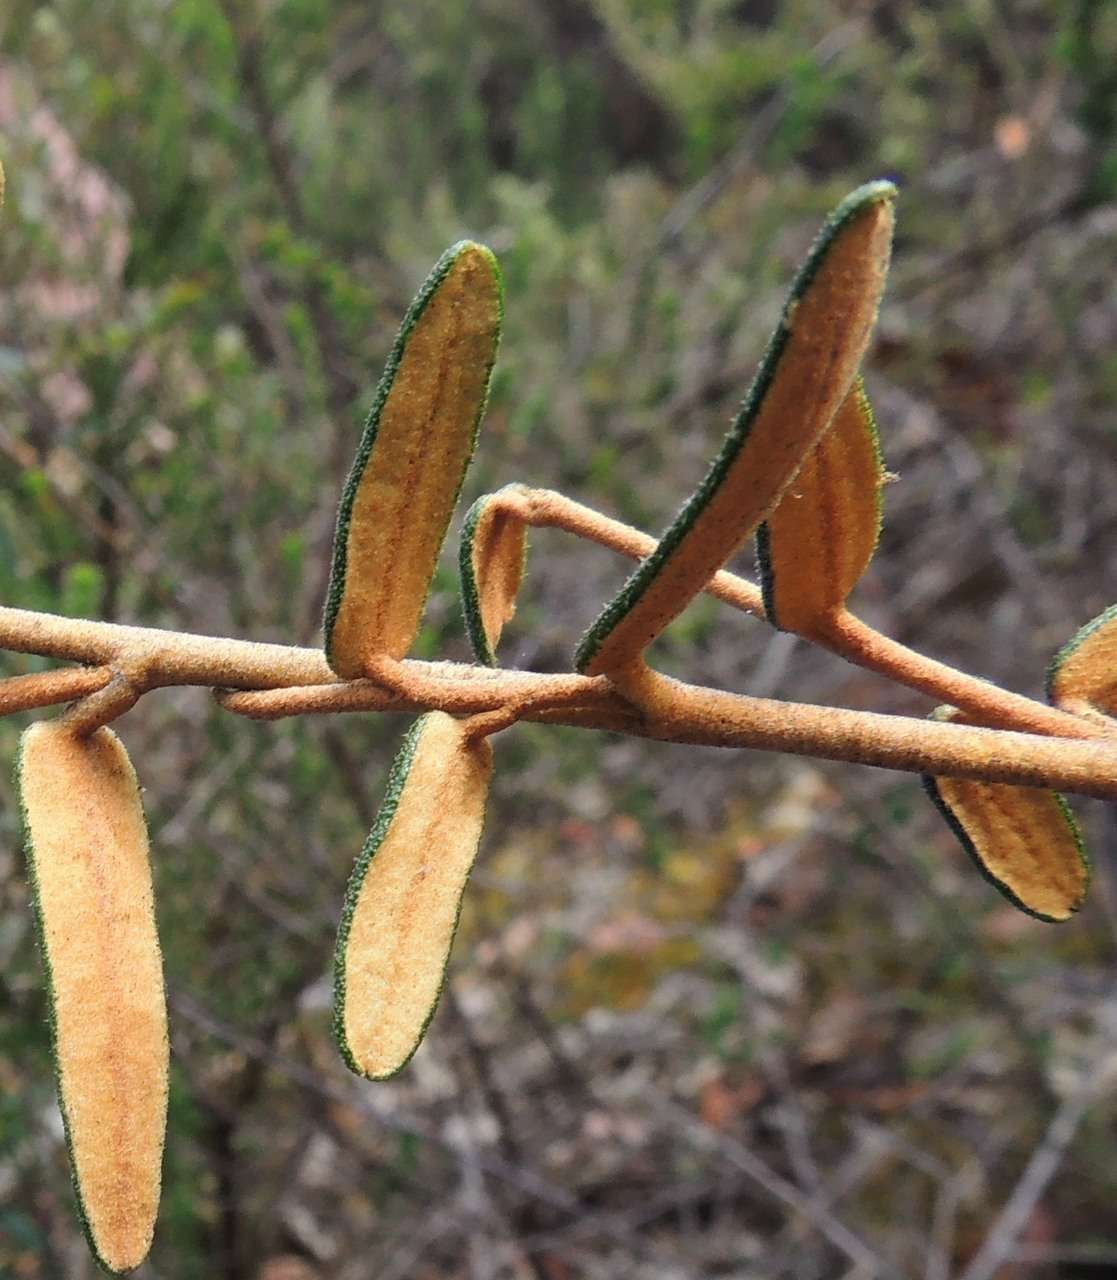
pixel 843 634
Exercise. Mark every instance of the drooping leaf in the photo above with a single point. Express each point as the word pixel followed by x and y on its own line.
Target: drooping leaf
pixel 491 560
pixel 805 374
pixel 1024 840
pixel 404 896
pixel 87 853
pixel 416 446
pixel 818 541
pixel 1085 669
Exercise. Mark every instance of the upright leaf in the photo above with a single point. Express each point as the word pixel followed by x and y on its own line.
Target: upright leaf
pixel 1085 668
pixel 804 376
pixel 416 446
pixel 404 896
pixel 491 560
pixel 91 887
pixel 1024 840
pixel 818 541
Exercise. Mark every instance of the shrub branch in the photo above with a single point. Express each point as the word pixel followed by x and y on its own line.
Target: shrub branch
pixel 270 681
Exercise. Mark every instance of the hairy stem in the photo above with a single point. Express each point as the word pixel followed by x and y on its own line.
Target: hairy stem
pixel 861 644
pixel 166 657
pixel 636 702
pixel 104 706
pixel 45 688
pixel 842 634
pixel 689 713
pixel 544 508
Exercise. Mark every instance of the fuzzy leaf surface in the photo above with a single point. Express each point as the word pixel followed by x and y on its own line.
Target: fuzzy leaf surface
pixel 87 854
pixel 404 896
pixel 491 559
pixel 1024 840
pixel 411 461
pixel 807 370
pixel 816 544
pixel 1085 669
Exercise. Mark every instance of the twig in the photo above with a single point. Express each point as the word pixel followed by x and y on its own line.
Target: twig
pixel 100 708
pixel 861 644
pixel 386 1111
pixel 845 635
pixel 545 508
pixel 637 702
pixel 813 1210
pixel 1040 1169
pixel 665 710
pixel 46 688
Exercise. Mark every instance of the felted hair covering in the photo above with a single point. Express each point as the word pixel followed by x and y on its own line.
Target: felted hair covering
pixel 87 852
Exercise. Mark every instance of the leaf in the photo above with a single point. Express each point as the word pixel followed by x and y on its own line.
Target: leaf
pixel 87 853
pixel 404 896
pixel 818 541
pixel 1085 668
pixel 805 374
pixel 1024 840
pixel 492 553
pixel 413 455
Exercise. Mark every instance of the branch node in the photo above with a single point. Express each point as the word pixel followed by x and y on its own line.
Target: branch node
pixel 101 708
pixel 486 723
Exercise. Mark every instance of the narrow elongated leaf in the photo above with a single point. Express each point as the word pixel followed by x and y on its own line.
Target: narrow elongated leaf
pixel 1024 840
pixel 1085 669
pixel 402 904
pixel 491 559
pixel 818 541
pixel 416 446
pixel 804 376
pixel 91 885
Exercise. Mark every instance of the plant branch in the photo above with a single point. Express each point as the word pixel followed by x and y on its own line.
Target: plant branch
pixel 843 634
pixel 681 712
pixel 637 702
pixel 859 643
pixel 544 508
pixel 166 657
pixel 101 708
pixel 45 688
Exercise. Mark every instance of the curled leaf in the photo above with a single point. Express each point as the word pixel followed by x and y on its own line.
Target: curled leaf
pixel 1024 840
pixel 416 446
pixel 491 559
pixel 818 541
pixel 1085 668
pixel 87 854
pixel 805 375
pixel 404 896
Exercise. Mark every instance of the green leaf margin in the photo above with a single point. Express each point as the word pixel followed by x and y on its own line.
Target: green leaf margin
pixel 52 1018
pixel 339 563
pixel 1072 646
pixel 955 824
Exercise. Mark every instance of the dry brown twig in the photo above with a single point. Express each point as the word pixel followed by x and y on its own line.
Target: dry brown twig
pixel 800 468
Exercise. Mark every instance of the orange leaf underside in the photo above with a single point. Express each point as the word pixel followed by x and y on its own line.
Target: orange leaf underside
pixel 88 853
pixel 1086 668
pixel 494 546
pixel 805 377
pixel 406 895
pixel 1024 840
pixel 403 499
pixel 821 536
pixel 499 564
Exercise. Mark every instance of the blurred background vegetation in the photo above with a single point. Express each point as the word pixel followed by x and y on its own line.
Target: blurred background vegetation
pixel 710 1014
